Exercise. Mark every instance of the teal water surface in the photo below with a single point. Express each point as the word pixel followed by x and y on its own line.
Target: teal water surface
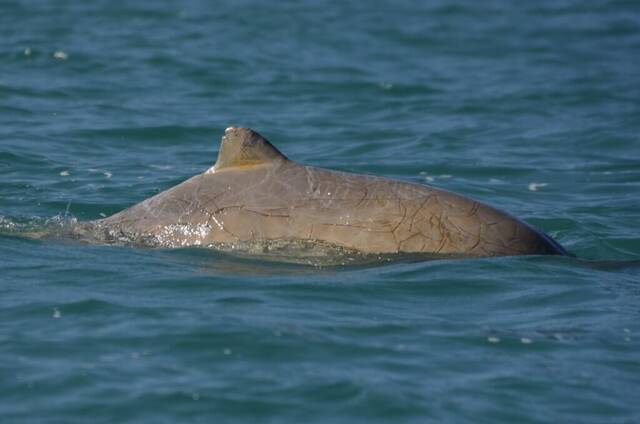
pixel 531 108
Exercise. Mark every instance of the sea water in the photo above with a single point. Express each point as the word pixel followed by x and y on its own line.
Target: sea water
pixel 533 108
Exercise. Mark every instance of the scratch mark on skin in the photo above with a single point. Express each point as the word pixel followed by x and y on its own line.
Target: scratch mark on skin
pixel 365 194
pixel 440 228
pixel 442 243
pixel 488 242
pixel 412 236
pixel 415 214
pixel 186 208
pixel 310 181
pixel 269 215
pixel 459 228
pixel 219 224
pixel 341 199
pixel 393 230
pixel 212 200
pixel 244 208
pixel 474 209
pixel 363 227
pixel 434 220
pixel 474 245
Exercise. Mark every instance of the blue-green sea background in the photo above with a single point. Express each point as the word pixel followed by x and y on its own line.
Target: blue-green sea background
pixel 534 108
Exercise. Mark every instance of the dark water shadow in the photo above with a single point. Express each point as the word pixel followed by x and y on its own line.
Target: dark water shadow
pixel 609 265
pixel 212 261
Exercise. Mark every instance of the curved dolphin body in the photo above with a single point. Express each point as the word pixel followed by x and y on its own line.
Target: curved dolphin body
pixel 255 196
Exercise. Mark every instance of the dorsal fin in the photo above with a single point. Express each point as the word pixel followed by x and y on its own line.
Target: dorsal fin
pixel 242 147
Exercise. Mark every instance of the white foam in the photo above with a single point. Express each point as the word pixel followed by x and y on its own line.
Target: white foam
pixel 60 55
pixel 536 186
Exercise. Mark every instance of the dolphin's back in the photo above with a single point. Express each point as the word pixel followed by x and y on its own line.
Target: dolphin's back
pixel 288 201
pixel 380 215
pixel 254 196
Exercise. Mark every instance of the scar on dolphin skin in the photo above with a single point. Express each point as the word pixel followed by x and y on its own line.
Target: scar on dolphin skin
pixel 254 193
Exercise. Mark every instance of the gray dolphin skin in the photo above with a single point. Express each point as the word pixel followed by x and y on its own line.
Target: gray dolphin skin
pixel 255 196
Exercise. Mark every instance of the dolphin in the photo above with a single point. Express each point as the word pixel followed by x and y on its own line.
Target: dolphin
pixel 254 197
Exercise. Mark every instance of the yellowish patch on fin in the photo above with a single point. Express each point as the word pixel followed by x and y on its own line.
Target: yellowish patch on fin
pixel 243 148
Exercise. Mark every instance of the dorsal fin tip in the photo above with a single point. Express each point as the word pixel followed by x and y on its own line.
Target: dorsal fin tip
pixel 242 147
